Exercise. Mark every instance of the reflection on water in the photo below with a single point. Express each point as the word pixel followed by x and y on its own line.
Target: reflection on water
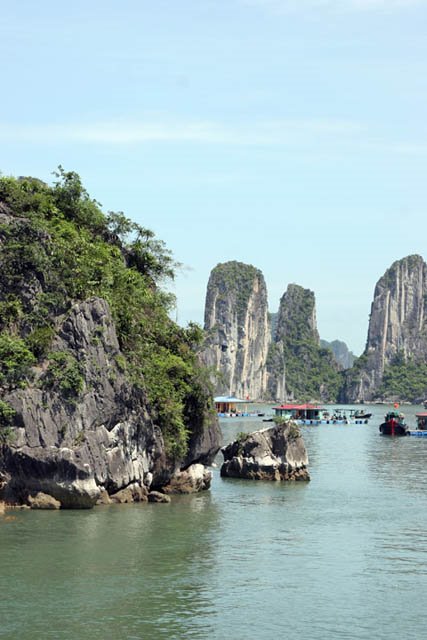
pixel 343 556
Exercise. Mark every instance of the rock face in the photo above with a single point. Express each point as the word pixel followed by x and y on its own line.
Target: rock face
pixel 104 438
pixel 74 425
pixel 397 327
pixel 297 366
pixel 236 319
pixel 276 453
pixel 259 355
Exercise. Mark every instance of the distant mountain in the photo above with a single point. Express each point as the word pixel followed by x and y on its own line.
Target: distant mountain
pixel 394 363
pixel 342 354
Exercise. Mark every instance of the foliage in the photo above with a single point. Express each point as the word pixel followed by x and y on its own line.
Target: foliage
pixel 6 419
pixel 235 280
pixel 59 248
pixel 64 374
pixel 15 360
pixel 404 379
pixel 310 371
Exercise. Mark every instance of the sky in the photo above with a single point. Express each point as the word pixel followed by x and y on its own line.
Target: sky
pixel 286 134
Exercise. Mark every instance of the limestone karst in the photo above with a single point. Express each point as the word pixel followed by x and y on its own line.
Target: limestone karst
pixel 237 326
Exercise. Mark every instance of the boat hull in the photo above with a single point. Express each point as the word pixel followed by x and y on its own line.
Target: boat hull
pixel 389 429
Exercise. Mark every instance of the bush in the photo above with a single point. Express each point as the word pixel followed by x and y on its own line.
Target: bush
pixel 64 375
pixel 6 419
pixel 15 360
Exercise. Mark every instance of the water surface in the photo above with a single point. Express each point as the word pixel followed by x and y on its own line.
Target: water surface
pixel 344 556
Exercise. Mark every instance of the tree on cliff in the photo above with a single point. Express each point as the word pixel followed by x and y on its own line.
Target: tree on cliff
pixel 58 247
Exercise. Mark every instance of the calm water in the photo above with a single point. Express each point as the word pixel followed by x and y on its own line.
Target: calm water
pixel 344 556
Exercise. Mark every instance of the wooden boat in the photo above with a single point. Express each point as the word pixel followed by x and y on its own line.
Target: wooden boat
pixel 394 424
pixel 421 430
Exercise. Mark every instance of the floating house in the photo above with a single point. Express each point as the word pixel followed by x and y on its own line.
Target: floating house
pixel 230 406
pixel 304 412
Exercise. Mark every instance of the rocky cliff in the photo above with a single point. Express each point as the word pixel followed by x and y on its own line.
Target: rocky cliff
pixel 101 395
pixel 393 365
pixel 298 368
pixel 236 321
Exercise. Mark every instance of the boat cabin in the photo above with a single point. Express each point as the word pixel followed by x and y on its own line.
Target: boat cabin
pixel 298 411
pixel 421 421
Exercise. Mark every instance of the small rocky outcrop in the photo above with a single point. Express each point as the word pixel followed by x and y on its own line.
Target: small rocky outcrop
pixel 192 480
pixel 43 501
pixel 276 453
pixel 236 320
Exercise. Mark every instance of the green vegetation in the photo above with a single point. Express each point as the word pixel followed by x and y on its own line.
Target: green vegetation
pixel 15 361
pixel 59 248
pixel 404 379
pixel 6 418
pixel 310 371
pixel 236 280
pixel 64 374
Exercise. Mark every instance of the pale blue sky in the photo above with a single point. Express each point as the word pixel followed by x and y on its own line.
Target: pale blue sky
pixel 289 134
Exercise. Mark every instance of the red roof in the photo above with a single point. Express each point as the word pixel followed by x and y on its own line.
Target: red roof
pixel 421 415
pixel 298 406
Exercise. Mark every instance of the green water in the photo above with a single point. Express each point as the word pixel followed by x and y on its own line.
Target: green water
pixel 344 556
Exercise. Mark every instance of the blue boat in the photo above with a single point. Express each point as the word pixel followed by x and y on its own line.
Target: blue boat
pixel 421 430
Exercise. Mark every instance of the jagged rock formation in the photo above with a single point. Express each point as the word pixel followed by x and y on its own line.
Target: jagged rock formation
pixel 297 366
pixel 236 320
pixel 102 439
pixel 276 453
pixel 344 357
pixel 75 420
pixel 397 337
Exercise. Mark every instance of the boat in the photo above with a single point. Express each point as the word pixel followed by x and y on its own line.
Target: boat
pixel 421 430
pixel 359 414
pixel 310 414
pixel 394 424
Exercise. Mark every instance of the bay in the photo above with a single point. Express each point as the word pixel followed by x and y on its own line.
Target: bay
pixel 344 556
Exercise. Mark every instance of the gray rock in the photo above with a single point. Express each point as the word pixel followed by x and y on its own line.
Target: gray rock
pixel 236 319
pixel 132 493
pixel 43 501
pixel 397 325
pixel 275 453
pixel 101 438
pixel 192 480
pixel 156 496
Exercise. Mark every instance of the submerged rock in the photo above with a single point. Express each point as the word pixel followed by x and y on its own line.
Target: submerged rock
pixel 275 453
